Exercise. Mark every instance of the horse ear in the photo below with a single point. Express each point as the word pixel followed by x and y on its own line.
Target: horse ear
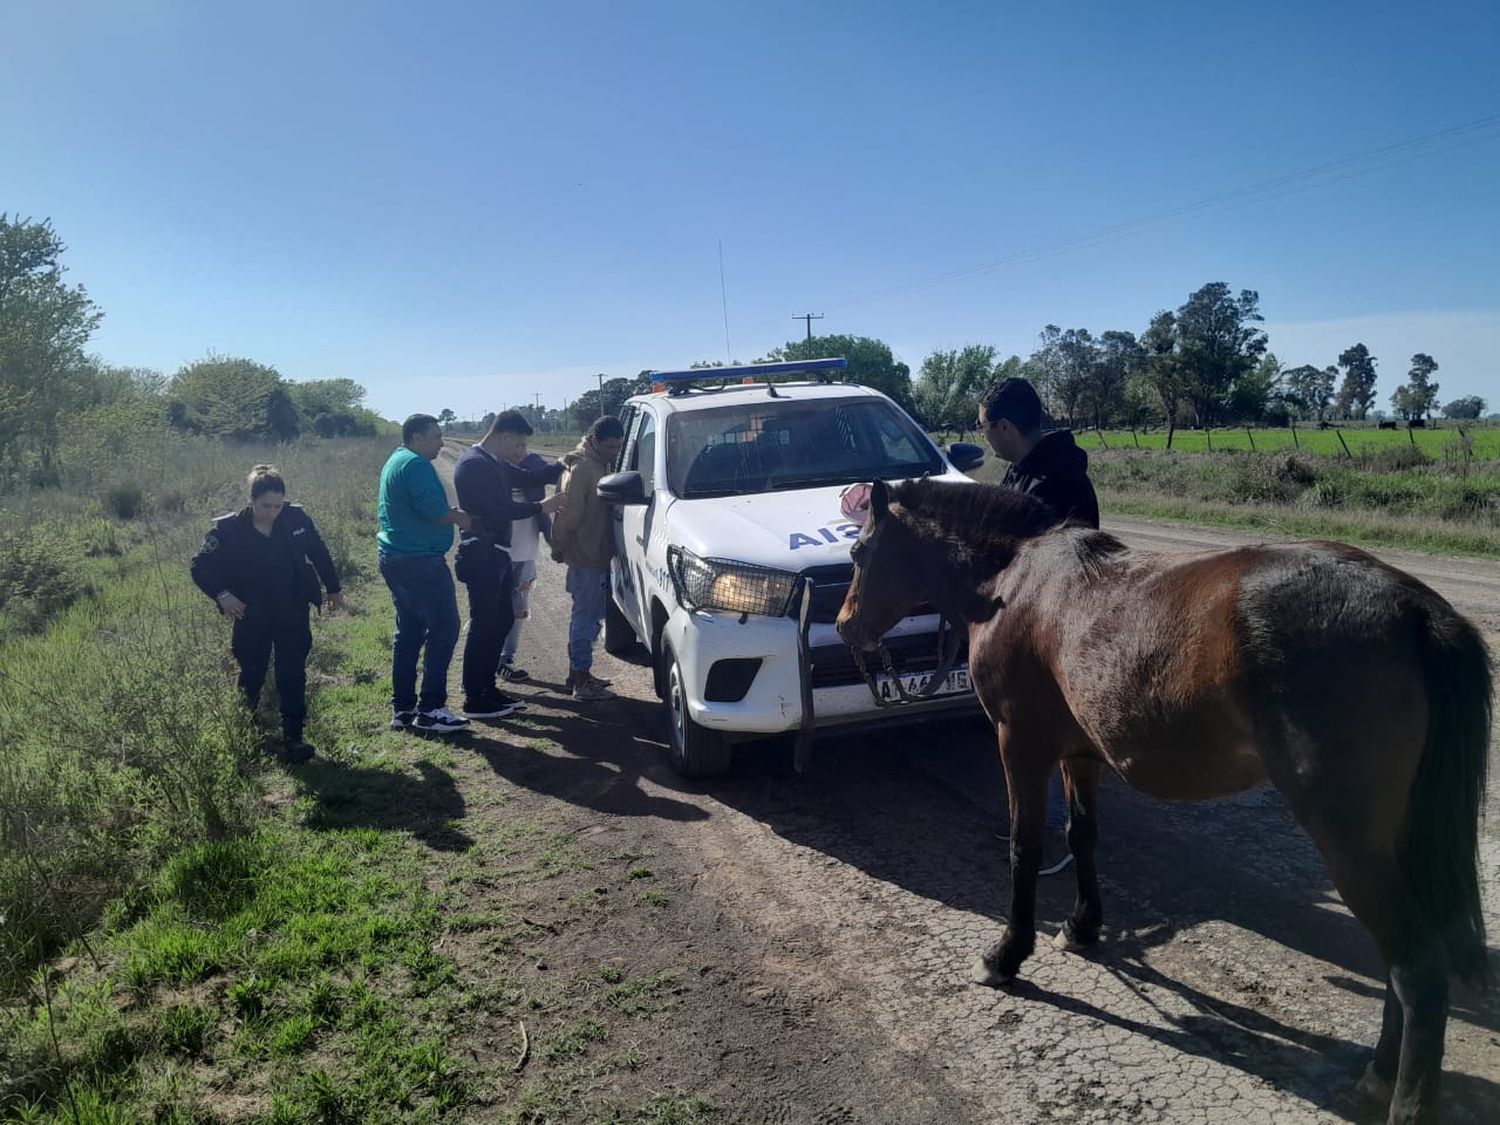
pixel 880 501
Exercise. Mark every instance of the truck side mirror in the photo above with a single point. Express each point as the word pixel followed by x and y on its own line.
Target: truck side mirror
pixel 965 456
pixel 623 488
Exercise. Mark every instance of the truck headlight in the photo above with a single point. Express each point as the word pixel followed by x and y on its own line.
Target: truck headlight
pixel 732 586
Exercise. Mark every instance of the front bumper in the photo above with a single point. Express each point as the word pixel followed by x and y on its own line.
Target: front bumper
pixel 777 699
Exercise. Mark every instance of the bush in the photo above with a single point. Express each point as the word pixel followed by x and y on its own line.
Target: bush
pixel 124 501
pixel 38 577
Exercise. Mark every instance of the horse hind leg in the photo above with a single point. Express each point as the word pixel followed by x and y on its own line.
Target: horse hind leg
pixel 1408 1061
pixel 1081 779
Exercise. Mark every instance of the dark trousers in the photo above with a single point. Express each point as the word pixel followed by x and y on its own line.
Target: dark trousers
pixel 284 630
pixel 426 614
pixel 492 611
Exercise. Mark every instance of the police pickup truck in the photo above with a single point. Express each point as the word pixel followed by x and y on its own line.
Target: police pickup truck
pixel 733 522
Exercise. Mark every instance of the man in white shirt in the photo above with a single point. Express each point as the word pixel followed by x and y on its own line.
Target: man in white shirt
pixel 525 539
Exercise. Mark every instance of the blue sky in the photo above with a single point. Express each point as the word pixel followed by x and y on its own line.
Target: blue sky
pixel 467 204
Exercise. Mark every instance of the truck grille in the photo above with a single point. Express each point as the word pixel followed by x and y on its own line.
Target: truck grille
pixel 833 665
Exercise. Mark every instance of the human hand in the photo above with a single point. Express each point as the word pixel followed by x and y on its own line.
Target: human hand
pixel 334 601
pixel 462 519
pixel 554 504
pixel 231 605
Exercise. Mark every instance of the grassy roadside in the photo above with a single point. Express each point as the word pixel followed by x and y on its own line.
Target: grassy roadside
pixel 1396 498
pixel 190 934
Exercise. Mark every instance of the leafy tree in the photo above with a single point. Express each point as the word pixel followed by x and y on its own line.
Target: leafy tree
pixel 228 397
pixel 1254 394
pixel 1468 407
pixel 1119 357
pixel 44 326
pixel 1357 392
pixel 1218 344
pixel 1424 391
pixel 1162 367
pixel 870 362
pixel 1310 389
pixel 947 389
pixel 588 405
pixel 446 416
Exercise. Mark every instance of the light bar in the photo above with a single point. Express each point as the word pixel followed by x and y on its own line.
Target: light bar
pixel 749 370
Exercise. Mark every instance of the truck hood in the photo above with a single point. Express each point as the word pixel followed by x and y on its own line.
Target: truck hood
pixel 786 530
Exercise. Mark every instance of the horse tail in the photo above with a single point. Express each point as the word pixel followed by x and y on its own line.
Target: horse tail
pixel 1439 855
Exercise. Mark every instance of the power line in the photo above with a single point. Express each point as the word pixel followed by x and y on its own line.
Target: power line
pixel 1332 172
pixel 1320 175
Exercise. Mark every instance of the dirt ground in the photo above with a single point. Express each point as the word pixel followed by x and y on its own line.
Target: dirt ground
pixel 821 928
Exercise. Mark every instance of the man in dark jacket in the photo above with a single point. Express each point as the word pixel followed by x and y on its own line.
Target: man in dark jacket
pixel 485 480
pixel 1051 467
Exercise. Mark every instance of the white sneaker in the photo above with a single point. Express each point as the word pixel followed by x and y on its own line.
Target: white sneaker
pixel 440 721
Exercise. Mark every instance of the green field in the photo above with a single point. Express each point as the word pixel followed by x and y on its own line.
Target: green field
pixel 1442 444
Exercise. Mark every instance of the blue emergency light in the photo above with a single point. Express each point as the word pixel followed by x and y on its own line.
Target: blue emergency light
pixel 746 371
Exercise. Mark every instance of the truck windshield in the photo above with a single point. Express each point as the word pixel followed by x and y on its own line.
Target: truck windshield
pixel 769 445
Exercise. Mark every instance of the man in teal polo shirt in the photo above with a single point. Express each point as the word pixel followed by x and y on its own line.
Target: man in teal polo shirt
pixel 416 531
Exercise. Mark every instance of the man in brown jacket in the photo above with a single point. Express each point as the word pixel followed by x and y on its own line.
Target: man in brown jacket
pixel 583 539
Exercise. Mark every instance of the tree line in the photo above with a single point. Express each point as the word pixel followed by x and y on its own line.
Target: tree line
pixel 50 383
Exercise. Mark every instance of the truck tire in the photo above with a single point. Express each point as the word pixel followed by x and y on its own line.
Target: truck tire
pixel 694 750
pixel 619 637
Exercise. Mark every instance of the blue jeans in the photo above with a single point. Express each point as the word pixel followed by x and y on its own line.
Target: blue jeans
pixel 589 587
pixel 426 614
pixel 525 574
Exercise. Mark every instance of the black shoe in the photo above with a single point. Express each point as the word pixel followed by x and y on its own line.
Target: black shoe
pixel 513 675
pixel 495 707
pixel 294 752
pixel 400 720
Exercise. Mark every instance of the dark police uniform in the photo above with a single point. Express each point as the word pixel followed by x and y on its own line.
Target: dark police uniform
pixel 277 577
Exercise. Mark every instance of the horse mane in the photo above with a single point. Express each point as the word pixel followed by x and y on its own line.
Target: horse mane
pixel 988 519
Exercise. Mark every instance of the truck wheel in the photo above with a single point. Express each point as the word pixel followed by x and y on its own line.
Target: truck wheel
pixel 695 751
pixel 619 637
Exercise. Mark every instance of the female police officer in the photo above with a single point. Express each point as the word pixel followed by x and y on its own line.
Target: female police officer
pixel 254 564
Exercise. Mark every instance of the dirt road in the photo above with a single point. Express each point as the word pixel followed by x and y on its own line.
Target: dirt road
pixel 827 924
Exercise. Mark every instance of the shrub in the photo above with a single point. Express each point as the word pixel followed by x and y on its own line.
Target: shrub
pixel 124 501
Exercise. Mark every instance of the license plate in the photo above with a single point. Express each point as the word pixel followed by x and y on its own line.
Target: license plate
pixel 955 682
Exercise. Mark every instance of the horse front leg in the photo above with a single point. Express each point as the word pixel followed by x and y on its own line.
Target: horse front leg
pixel 1081 779
pixel 1028 765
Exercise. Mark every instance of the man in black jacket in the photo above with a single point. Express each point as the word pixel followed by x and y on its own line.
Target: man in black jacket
pixel 262 566
pixel 1051 467
pixel 485 480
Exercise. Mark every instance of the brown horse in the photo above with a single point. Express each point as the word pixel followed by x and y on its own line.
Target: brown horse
pixel 1357 691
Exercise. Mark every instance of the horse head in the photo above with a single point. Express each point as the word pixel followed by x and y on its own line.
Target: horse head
pixel 883 589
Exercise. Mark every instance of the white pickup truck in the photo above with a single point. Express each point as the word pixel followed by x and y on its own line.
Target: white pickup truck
pixel 732 555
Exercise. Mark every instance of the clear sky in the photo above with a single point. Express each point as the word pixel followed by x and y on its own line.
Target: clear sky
pixel 465 204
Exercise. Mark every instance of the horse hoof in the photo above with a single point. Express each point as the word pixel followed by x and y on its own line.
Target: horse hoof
pixel 988 977
pixel 1066 942
pixel 1374 1087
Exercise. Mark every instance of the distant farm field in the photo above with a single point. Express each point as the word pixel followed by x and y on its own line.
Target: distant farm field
pixel 1446 442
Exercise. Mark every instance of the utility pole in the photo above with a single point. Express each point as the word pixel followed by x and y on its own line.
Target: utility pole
pixel 809 317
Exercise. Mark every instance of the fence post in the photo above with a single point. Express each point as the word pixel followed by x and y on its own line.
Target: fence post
pixel 1344 443
pixel 1135 437
pixel 1210 434
pixel 1295 443
pixel 1410 433
pixel 1100 432
pixel 1251 436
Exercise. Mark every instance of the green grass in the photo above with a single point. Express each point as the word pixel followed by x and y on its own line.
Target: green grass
pixel 1395 497
pixel 1360 439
